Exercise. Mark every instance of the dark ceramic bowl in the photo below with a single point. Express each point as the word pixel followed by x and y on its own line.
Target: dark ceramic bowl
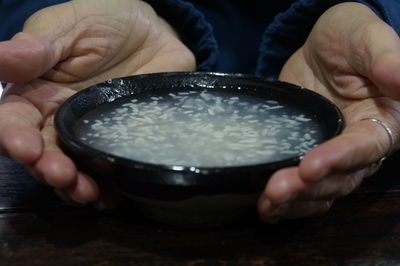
pixel 187 195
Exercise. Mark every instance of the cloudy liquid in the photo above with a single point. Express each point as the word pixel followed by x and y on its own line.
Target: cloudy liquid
pixel 200 128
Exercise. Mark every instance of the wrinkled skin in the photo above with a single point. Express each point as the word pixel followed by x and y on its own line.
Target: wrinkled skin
pixel 352 58
pixel 63 49
pixel 67 47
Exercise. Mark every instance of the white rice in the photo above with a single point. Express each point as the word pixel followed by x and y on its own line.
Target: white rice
pixel 204 128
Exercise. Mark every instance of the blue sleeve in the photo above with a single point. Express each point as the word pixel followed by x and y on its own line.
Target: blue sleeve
pixel 281 39
pixel 388 10
pixel 195 32
pixel 13 14
pixel 287 33
pixel 289 30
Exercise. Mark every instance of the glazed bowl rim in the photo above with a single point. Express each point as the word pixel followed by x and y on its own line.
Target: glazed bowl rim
pixel 68 138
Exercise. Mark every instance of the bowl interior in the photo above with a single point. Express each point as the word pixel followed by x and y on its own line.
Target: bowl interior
pixel 134 176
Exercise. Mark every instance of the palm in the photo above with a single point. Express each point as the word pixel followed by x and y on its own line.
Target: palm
pixel 73 46
pixel 345 64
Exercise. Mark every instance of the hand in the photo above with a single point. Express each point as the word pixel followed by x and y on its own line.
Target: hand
pixel 353 58
pixel 61 50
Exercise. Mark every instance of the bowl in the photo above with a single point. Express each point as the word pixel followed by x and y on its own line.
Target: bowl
pixel 193 148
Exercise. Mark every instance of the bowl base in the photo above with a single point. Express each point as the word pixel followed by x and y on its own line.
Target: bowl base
pixel 201 211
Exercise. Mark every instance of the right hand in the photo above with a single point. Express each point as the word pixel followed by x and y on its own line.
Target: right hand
pixel 351 57
pixel 66 48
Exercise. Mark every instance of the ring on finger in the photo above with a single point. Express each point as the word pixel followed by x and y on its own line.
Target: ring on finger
pixel 389 133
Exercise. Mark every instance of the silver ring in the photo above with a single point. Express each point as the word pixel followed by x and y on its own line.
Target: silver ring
pixel 389 133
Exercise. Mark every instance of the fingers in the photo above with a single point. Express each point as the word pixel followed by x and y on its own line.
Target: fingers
pixel 59 171
pixel 52 167
pixel 333 169
pixel 362 143
pixel 55 47
pixel 22 112
pixel 85 190
pixel 55 169
pixel 308 200
pixel 328 188
pixel 19 137
pixel 384 73
pixel 352 149
pixel 353 64
pixel 21 143
pixel 26 57
pixel 294 210
pixel 284 185
pixel 372 50
pixel 336 186
pixel 375 53
pixel 356 59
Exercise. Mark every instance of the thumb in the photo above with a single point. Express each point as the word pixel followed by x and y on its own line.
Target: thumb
pixel 385 69
pixel 26 57
pixel 362 144
pixel 375 48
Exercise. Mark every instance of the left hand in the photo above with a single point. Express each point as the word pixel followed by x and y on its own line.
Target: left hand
pixel 61 50
pixel 351 57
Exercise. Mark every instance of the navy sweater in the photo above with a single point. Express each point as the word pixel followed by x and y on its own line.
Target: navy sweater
pixel 227 35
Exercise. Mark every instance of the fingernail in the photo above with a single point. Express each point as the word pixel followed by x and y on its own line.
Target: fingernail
pixel 275 214
pixel 279 210
pixel 70 194
pixel 323 174
pixel 107 203
pixel 265 206
pixel 265 212
pixel 66 197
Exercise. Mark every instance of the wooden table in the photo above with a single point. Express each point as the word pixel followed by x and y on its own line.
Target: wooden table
pixel 38 229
